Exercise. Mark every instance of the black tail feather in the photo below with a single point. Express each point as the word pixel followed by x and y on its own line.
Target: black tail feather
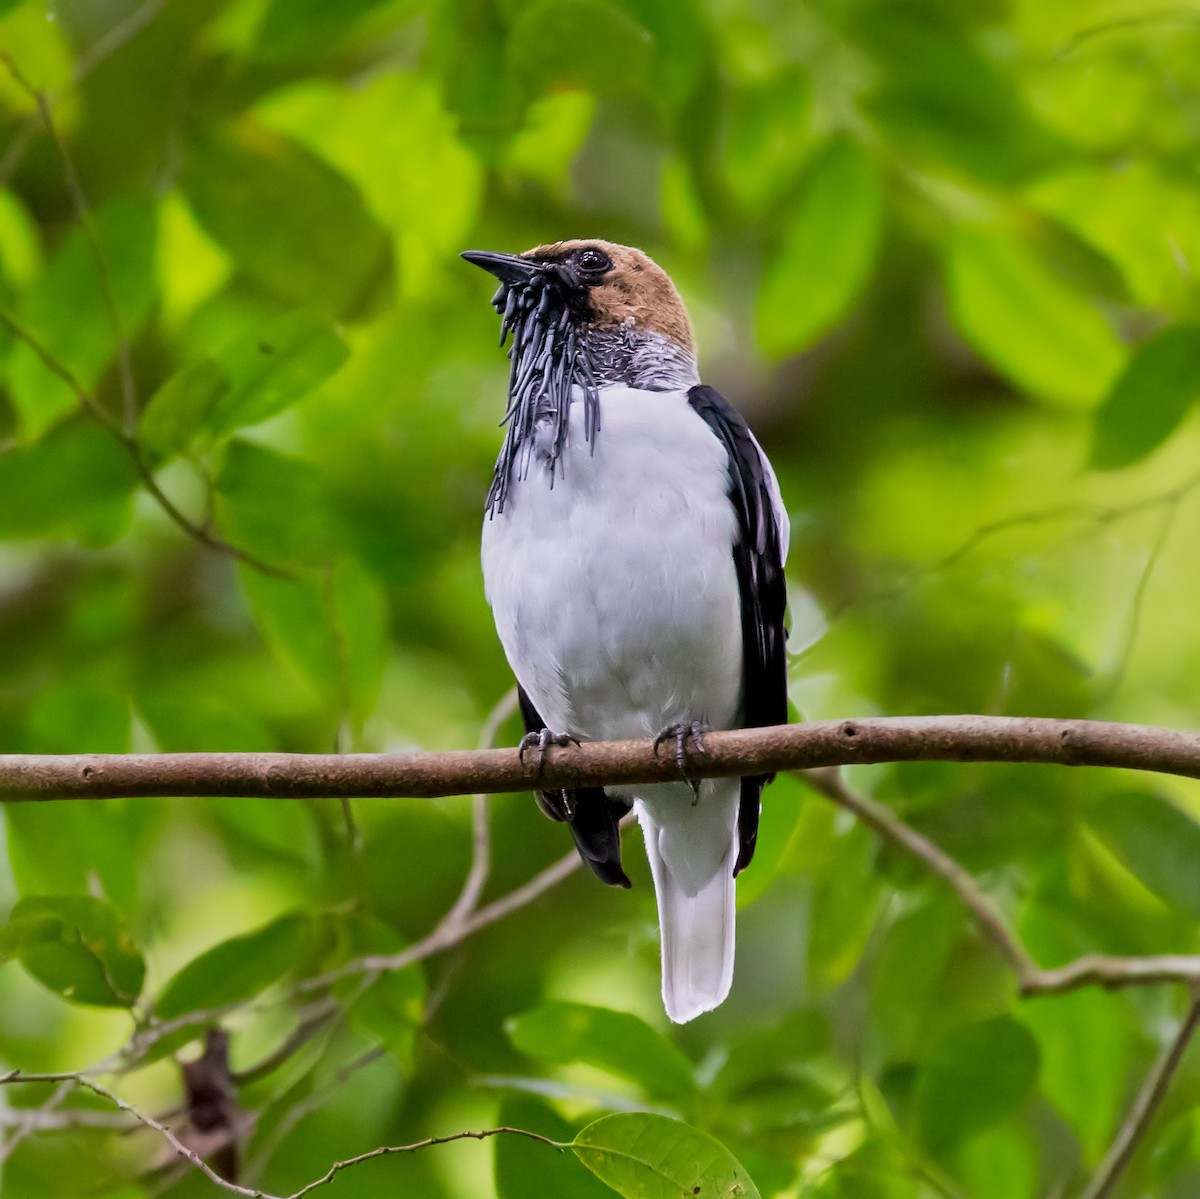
pixel 593 817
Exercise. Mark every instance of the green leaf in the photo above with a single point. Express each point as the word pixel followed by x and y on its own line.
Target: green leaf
pixel 257 376
pixel 779 1077
pixel 359 615
pixel 1149 399
pixel 330 632
pixel 763 138
pixel 77 946
pixel 939 98
pixel 976 1076
pixel 1085 1041
pixel 67 309
pixel 292 223
pixel 237 969
pixel 77 481
pixel 273 505
pixel 182 407
pixel 294 29
pixel 523 1168
pixel 544 46
pixel 642 1156
pixel 20 254
pixel 828 252
pixel 392 1009
pixel 1027 322
pixel 908 970
pixel 618 1042
pixel 1157 841
pixel 1001 1163
pixel 292 615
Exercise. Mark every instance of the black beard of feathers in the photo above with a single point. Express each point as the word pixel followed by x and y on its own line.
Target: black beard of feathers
pixel 548 359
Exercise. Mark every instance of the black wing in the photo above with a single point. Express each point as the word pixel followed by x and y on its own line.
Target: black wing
pixel 758 559
pixel 590 813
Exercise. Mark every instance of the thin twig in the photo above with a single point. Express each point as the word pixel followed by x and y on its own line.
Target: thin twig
pixel 1094 514
pixel 830 784
pixel 83 215
pixel 468 899
pixel 1176 15
pixel 385 1150
pixel 1093 969
pixel 309 1023
pixel 306 1106
pixel 106 45
pixel 110 42
pixel 91 405
pixel 446 936
pixel 30 1118
pixel 1117 675
pixel 16 1076
pixel 126 428
pixel 1145 1104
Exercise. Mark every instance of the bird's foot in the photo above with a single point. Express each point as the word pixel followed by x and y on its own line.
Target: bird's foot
pixel 540 742
pixel 681 734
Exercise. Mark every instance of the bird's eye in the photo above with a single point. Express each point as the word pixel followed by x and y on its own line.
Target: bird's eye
pixel 593 262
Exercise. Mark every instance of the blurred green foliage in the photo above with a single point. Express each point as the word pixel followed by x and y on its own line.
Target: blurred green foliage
pixel 943 255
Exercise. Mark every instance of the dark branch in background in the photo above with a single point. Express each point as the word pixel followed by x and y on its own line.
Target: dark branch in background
pixel 129 404
pixel 1032 979
pixel 32 777
pixel 125 429
pixel 133 448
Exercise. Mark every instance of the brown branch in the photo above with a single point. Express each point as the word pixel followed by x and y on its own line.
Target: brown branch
pixel 1145 1104
pixel 625 763
pixel 1032 979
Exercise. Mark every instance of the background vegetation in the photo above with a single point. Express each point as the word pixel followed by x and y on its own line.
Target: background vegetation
pixel 941 254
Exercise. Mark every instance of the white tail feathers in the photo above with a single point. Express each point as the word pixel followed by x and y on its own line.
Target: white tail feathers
pixel 691 854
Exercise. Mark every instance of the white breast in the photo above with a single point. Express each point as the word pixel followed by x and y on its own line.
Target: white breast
pixel 613 586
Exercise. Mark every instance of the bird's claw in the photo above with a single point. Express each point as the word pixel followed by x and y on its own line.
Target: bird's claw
pixel 681 734
pixel 541 741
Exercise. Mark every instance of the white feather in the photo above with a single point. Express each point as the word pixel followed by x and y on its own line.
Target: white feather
pixel 615 598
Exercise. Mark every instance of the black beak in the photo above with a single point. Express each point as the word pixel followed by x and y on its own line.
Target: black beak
pixel 508 268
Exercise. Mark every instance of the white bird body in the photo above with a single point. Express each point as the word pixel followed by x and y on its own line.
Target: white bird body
pixel 615 598
pixel 612 584
pixel 609 563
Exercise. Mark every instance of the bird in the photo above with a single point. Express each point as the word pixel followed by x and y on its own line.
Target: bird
pixel 633 552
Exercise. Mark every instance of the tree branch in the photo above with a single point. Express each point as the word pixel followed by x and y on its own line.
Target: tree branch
pixel 740 751
pixel 1090 970
pixel 1146 1103
pixel 133 448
